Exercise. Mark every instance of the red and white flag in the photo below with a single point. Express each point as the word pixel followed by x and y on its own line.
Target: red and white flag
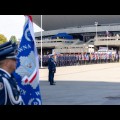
pixel 27 71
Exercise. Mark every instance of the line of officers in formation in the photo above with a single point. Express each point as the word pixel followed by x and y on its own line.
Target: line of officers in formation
pixel 81 59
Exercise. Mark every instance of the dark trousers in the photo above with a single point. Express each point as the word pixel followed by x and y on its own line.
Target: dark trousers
pixel 51 77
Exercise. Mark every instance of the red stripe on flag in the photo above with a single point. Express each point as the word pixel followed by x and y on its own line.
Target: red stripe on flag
pixel 33 77
pixel 30 17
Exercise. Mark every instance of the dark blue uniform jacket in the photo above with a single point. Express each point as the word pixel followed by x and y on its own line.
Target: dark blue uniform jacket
pixel 51 65
pixel 9 91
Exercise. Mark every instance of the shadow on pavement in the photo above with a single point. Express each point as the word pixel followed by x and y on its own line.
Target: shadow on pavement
pixel 80 93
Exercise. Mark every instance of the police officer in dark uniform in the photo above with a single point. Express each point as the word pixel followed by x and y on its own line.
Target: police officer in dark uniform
pixel 52 69
pixel 9 91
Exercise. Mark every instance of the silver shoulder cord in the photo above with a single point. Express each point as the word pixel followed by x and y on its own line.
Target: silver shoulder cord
pixel 10 93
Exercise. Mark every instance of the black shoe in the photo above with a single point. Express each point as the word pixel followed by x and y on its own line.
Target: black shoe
pixel 52 84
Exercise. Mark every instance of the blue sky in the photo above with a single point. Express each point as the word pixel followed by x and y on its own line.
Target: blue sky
pixel 13 25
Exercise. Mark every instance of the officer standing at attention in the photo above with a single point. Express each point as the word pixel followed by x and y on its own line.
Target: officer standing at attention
pixel 51 68
pixel 9 91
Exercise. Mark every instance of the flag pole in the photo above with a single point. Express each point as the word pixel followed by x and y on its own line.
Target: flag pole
pixel 41 42
pixel 96 24
pixel 107 39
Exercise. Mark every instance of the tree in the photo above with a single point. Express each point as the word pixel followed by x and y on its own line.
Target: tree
pixel 3 39
pixel 13 38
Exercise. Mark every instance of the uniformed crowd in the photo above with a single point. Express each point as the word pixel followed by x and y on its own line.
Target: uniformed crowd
pixel 81 59
pixel 9 90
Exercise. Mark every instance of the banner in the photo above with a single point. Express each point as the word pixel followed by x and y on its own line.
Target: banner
pixel 27 71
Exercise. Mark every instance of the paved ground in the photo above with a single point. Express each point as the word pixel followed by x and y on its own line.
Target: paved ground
pixel 97 84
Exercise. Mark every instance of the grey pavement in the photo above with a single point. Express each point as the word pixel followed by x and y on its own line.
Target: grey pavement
pixel 97 84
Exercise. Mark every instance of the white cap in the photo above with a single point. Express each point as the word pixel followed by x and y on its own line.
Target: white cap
pixel 51 55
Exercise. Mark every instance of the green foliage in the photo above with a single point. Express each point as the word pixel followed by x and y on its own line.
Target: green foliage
pixel 3 39
pixel 13 38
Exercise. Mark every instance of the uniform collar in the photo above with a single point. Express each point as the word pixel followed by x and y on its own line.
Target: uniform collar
pixel 5 72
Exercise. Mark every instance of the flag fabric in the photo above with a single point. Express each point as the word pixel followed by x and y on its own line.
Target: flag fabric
pixel 27 70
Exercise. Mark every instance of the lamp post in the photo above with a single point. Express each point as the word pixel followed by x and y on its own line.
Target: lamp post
pixel 41 42
pixel 96 24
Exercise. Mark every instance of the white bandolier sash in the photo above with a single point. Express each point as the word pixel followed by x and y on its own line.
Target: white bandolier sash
pixel 10 93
